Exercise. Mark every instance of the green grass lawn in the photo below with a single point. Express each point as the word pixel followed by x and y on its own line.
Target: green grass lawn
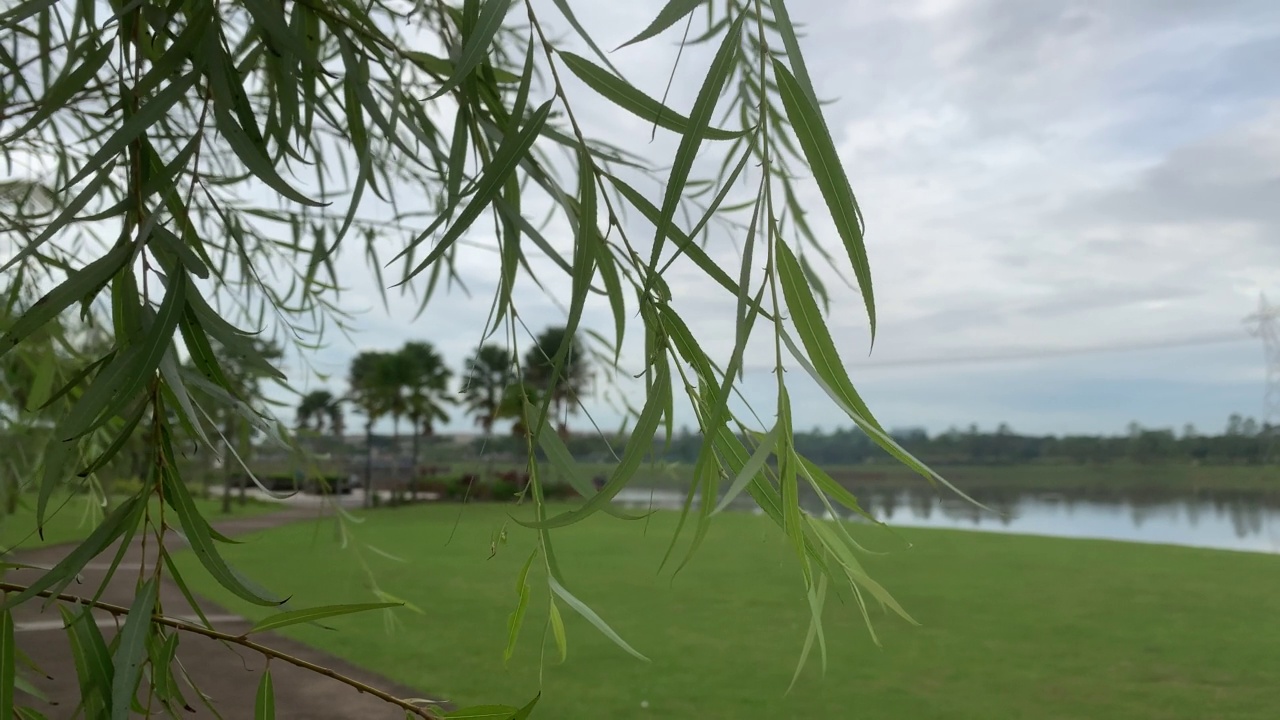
pixel 1013 626
pixel 73 517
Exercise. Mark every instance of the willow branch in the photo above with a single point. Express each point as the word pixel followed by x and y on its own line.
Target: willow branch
pixel 242 641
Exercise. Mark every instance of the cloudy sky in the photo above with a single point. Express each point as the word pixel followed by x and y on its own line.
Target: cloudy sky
pixel 1071 206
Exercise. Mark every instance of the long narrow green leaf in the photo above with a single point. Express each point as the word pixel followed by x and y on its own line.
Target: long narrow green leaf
pixel 196 531
pixel 524 712
pixel 120 381
pixel 844 555
pixel 476 47
pixel 753 467
pixel 484 712
pixel 138 123
pixel 873 431
pixel 669 15
pixel 64 218
pixel 264 705
pixel 699 120
pixel 131 650
pixel 813 332
pixel 504 162
pixel 8 663
pixel 559 457
pixel 820 151
pixel 112 526
pixel 516 620
pixel 817 596
pixel 791 44
pixel 60 93
pixel 638 444
pixel 591 617
pixel 629 98
pixel 92 661
pixel 307 615
pixel 557 629
pixel 685 244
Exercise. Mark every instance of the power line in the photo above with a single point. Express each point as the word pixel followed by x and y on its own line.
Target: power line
pixel 1015 355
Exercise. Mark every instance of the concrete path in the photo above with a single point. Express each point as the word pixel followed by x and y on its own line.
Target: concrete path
pixel 226 673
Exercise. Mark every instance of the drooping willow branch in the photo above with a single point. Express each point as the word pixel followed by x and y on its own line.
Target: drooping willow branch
pixel 242 641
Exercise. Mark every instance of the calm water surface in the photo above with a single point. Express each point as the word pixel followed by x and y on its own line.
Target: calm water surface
pixel 1235 524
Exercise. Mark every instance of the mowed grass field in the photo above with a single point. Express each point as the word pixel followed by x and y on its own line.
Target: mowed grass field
pixel 1012 626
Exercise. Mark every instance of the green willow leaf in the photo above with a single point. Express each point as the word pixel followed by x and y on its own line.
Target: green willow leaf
pixel 685 244
pixel 638 444
pixel 557 630
pixel 79 284
pixel 8 663
pixel 629 98
pixel 264 705
pixel 820 152
pixel 669 15
pixel 504 162
pixel 131 650
pixel 516 620
pixel 66 217
pixel 559 457
pixel 484 712
pixel 476 46
pixel 813 332
pixel 699 120
pixel 591 617
pixel 196 530
pixel 60 93
pixel 118 383
pixel 92 661
pixel 817 596
pixel 308 615
pixel 524 712
pixel 112 527
pixel 752 468
pixel 791 43
pixel 138 123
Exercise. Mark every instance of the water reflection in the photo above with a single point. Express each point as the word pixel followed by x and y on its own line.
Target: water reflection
pixel 1231 522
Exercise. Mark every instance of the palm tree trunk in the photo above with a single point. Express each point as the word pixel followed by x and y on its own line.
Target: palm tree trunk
pixel 368 465
pixel 244 476
pixel 413 462
pixel 229 431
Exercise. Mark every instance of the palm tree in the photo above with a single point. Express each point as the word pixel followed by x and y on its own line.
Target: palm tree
pixel 426 382
pixel 489 372
pixel 313 410
pixel 565 387
pixel 367 379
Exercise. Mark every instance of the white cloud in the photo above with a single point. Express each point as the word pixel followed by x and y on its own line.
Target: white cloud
pixel 1034 176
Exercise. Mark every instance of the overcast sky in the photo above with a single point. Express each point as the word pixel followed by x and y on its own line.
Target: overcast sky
pixel 1038 178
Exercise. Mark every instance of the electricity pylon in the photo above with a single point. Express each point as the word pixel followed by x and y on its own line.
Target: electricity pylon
pixel 1265 323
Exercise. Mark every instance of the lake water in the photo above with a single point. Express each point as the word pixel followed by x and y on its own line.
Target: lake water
pixel 1227 524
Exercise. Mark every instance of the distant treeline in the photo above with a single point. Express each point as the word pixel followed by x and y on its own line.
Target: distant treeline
pixel 1243 441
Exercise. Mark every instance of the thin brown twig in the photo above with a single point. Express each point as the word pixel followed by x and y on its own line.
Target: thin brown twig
pixel 241 640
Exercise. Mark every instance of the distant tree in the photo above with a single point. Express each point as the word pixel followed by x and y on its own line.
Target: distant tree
pixel 566 386
pixel 368 392
pixel 486 377
pixel 425 382
pixel 315 409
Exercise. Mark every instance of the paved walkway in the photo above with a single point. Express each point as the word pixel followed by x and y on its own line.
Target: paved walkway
pixel 227 674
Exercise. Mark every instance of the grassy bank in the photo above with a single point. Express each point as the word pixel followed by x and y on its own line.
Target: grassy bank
pixel 73 517
pixel 1013 626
